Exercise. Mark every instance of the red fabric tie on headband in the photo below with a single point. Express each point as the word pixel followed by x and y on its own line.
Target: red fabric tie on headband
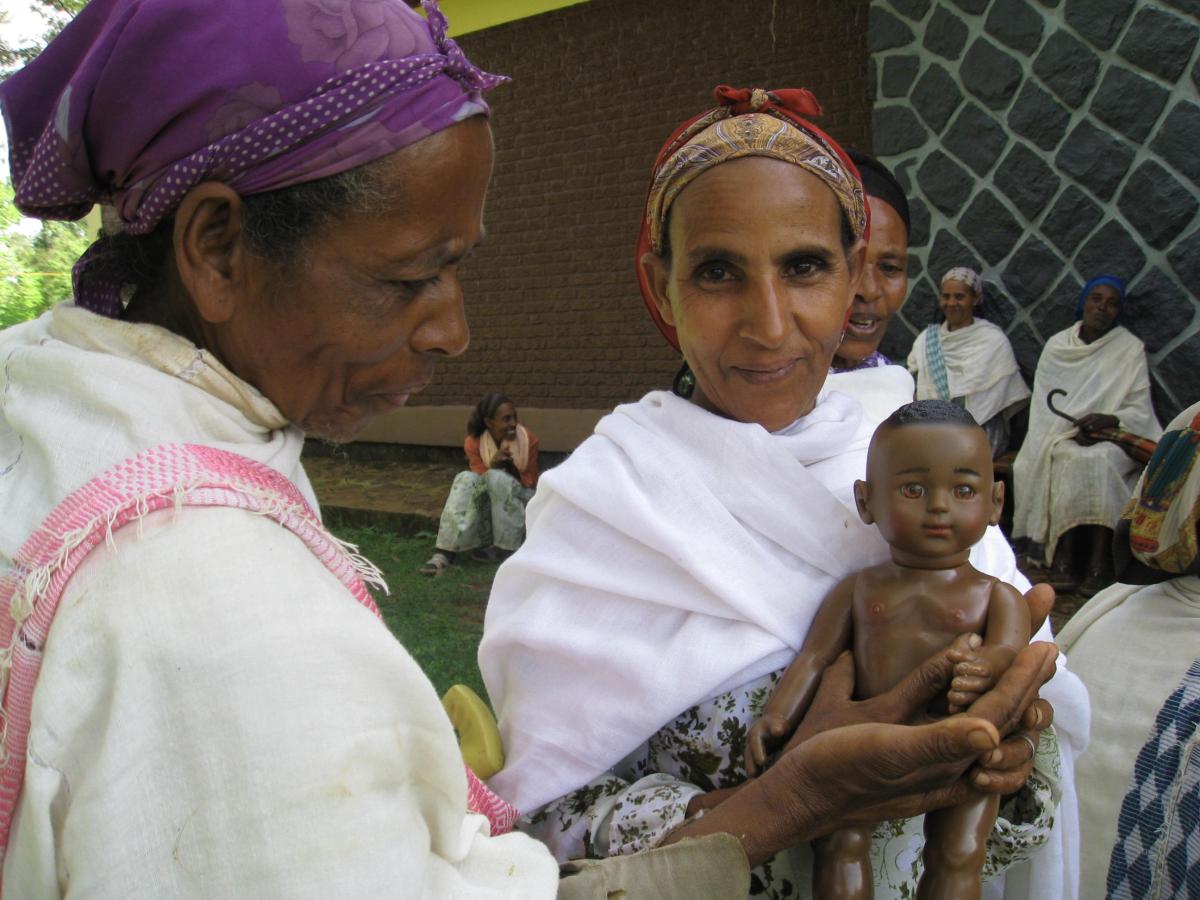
pixel 798 101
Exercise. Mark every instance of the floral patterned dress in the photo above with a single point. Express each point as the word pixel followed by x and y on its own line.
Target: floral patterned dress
pixel 637 803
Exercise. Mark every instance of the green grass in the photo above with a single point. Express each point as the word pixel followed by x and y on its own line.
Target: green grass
pixel 439 620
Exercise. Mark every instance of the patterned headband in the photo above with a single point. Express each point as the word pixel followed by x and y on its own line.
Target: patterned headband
pixel 753 123
pixel 748 122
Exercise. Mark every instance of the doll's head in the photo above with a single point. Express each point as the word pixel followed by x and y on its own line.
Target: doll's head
pixel 929 486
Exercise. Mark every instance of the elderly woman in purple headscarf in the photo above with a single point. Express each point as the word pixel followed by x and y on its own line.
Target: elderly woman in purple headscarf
pixel 208 705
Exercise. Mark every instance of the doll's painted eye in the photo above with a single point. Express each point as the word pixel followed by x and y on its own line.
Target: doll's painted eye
pixel 912 490
pixel 964 491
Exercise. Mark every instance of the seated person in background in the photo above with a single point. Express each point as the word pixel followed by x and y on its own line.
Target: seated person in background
pixel 1068 489
pixel 884 283
pixel 931 492
pixel 486 506
pixel 1136 645
pixel 969 361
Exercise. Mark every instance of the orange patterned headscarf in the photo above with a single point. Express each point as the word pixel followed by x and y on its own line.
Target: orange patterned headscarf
pixel 748 122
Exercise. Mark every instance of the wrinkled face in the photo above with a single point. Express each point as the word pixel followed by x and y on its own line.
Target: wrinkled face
pixel 957 303
pixel 757 287
pixel 503 425
pixel 930 490
pixel 357 328
pixel 882 287
pixel 1101 307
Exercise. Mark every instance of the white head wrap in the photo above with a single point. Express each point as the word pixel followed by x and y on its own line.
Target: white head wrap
pixel 969 277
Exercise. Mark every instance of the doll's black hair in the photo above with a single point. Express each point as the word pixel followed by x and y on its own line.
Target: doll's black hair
pixel 930 412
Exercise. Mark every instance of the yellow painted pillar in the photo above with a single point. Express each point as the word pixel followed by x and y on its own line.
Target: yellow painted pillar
pixel 475 15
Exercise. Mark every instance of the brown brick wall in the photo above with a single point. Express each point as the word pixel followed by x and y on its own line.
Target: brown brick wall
pixel 556 318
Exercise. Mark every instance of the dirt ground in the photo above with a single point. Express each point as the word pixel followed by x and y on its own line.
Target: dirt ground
pixel 406 496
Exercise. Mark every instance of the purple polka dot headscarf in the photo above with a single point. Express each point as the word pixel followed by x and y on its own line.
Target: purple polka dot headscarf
pixel 138 101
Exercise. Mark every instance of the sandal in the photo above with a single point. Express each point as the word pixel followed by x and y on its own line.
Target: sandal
pixel 437 564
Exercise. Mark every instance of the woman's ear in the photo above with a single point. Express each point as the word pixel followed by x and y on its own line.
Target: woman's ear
pixel 997 502
pixel 862 499
pixel 210 252
pixel 657 272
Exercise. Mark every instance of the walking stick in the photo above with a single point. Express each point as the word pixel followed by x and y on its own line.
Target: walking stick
pixel 1136 447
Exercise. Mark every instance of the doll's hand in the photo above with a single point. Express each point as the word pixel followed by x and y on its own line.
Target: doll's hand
pixel 975 673
pixel 765 736
pixel 976 670
pixel 964 654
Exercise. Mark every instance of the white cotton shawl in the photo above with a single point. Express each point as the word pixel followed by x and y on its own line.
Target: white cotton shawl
pixel 980 367
pixel 1131 645
pixel 1058 484
pixel 215 715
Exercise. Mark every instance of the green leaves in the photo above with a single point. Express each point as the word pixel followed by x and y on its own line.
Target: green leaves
pixel 35 269
pixel 56 13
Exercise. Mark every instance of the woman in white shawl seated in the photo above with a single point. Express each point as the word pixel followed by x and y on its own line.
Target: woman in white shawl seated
pixel 1136 645
pixel 675 561
pixel 1070 489
pixel 969 360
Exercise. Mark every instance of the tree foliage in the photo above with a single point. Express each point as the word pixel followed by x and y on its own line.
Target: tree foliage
pixel 56 14
pixel 35 269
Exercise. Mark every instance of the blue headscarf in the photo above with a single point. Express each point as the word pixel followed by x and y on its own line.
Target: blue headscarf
pixel 1110 280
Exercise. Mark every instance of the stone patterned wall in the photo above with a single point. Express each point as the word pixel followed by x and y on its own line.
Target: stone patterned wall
pixel 1043 143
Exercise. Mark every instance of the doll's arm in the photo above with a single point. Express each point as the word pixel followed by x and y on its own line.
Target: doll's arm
pixel 828 636
pixel 977 669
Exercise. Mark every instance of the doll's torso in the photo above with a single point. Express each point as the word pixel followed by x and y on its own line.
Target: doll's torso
pixel 902 616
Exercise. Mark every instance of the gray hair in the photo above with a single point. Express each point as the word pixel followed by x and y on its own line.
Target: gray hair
pixel 279 224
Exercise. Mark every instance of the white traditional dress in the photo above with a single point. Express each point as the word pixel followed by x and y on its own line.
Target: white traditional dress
pixel 1057 483
pixel 672 569
pixel 974 363
pixel 216 715
pixel 1132 645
